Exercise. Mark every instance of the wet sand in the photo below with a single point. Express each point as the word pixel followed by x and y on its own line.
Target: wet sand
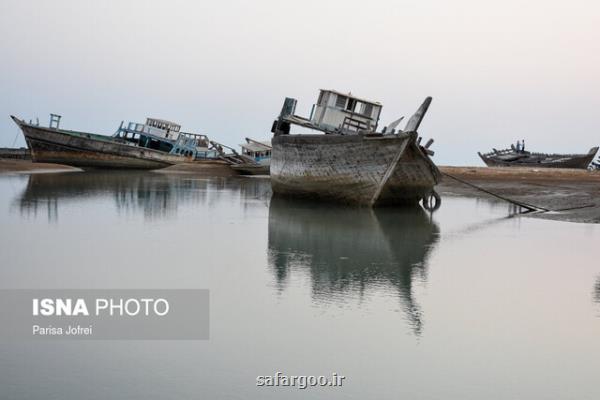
pixel 572 195
pixel 9 166
pixel 553 189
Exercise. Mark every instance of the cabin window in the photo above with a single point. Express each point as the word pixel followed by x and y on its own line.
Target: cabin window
pixel 320 101
pixel 351 105
pixel 368 110
pixel 340 102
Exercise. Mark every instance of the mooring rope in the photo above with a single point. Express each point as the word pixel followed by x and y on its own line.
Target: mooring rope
pixel 15 140
pixel 527 206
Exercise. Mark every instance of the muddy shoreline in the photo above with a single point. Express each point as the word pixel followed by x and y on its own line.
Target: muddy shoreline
pixel 572 195
pixel 17 166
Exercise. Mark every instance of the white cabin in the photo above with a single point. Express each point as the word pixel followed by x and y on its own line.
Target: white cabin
pixel 258 151
pixel 336 110
pixel 162 128
pixel 156 127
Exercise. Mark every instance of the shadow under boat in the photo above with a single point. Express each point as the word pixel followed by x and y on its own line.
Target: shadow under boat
pixel 155 195
pixel 350 251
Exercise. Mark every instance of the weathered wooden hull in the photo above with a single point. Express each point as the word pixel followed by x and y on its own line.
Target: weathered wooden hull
pixel 353 169
pixel 85 150
pixel 538 160
pixel 251 169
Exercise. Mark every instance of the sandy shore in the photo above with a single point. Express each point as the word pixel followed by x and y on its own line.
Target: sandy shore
pixel 572 195
pixel 8 166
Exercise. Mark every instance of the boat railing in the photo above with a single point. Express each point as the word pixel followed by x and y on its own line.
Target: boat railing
pixel 205 154
pixel 187 142
pixel 355 125
pixel 135 126
pixel 201 140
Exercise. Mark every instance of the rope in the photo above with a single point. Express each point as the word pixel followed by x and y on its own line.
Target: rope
pixel 529 207
pixel 15 141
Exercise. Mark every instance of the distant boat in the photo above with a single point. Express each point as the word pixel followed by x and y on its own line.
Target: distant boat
pixel 352 162
pixel 257 157
pixel 517 157
pixel 155 144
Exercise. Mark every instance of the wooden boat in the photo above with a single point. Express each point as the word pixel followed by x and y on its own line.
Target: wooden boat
pixel 517 156
pixel 352 162
pixel 155 144
pixel 256 158
pixel 251 169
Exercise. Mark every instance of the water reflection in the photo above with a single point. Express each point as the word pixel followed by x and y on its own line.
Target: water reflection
pixel 352 251
pixel 156 195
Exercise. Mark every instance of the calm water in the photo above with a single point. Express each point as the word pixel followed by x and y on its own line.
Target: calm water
pixel 468 304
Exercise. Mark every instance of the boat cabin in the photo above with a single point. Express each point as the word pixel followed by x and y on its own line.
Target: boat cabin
pixel 344 112
pixel 258 151
pixel 162 135
pixel 162 128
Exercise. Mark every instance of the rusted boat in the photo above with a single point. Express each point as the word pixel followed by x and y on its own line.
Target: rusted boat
pixel 256 158
pixel 517 156
pixel 352 162
pixel 155 144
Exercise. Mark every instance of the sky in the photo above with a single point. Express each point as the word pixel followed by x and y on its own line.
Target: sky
pixel 498 71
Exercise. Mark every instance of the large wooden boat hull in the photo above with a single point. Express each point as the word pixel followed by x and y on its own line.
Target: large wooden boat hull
pixel 87 150
pixel 366 170
pixel 511 158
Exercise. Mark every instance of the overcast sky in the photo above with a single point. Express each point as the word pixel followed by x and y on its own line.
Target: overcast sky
pixel 498 71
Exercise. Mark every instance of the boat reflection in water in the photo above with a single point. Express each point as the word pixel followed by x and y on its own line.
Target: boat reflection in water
pixel 155 195
pixel 597 291
pixel 350 251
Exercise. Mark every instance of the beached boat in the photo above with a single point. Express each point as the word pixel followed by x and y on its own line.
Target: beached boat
pixel 517 156
pixel 256 158
pixel 155 144
pixel 351 162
